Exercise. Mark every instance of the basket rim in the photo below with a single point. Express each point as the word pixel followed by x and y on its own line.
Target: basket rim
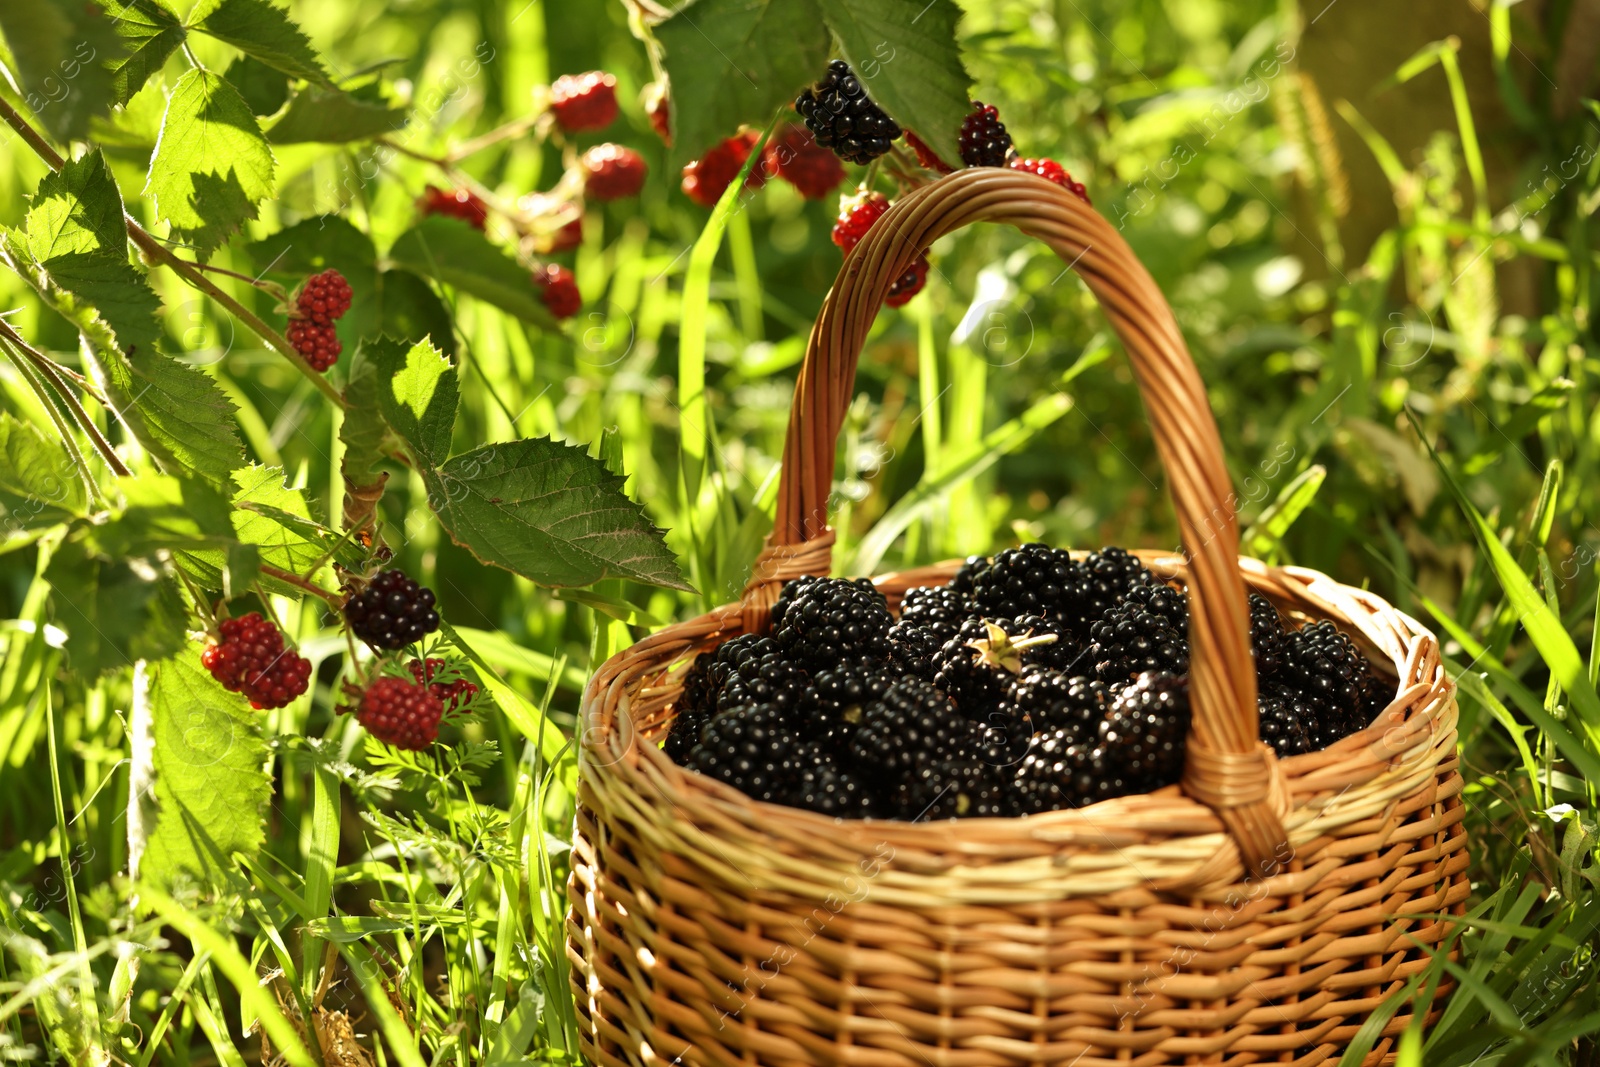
pixel 1314 793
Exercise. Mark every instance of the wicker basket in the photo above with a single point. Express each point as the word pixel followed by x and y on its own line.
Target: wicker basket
pixel 1256 913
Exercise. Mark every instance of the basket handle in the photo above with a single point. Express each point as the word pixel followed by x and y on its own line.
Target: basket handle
pixel 1228 769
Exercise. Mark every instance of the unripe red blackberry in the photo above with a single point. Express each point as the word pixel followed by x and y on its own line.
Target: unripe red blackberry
pixel 926 156
pixel 402 713
pixel 391 611
pixel 461 204
pixel 250 658
pixel 612 172
pixel 658 108
pixel 324 297
pixel 707 178
pixel 910 283
pixel 795 156
pixel 568 237
pixel 584 101
pixel 558 287
pixel 1050 169
pixel 318 344
pixel 443 681
pixel 984 140
pixel 856 216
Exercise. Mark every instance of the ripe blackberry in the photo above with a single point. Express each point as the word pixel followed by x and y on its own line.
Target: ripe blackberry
pixel 824 785
pixel 795 156
pixel 910 725
pixel 251 659
pixel 912 647
pixel 558 288
pixel 839 696
pixel 843 117
pixel 908 284
pixel 402 713
pixel 1053 701
pixel 759 673
pixel 821 621
pixel 937 606
pixel 1031 579
pixel 1328 668
pixel 976 666
pixel 612 172
pixel 962 786
pixel 460 204
pixel 318 344
pixel 1144 729
pixel 324 297
pixel 753 748
pixel 707 178
pixel 695 705
pixel 856 216
pixel 984 140
pixel 1052 171
pixel 966 578
pixel 1267 636
pixel 445 682
pixel 391 611
pixel 584 101
pixel 1138 635
pixel 1283 715
pixel 1112 573
pixel 926 156
pixel 1055 774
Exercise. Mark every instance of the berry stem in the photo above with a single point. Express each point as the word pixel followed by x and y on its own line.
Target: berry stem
pixel 155 252
pixel 300 583
pixel 505 131
pixel 272 289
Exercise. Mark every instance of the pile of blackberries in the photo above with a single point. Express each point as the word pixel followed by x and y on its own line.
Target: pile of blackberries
pixel 1033 681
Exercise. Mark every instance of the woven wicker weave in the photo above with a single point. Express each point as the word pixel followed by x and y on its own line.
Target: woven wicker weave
pixel 1256 913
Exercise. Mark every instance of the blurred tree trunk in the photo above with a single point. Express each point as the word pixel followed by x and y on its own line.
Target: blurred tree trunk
pixel 1349 49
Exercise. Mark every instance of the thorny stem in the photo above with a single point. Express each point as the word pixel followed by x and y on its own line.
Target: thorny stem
pixel 503 132
pixel 155 252
pixel 56 376
pixel 270 288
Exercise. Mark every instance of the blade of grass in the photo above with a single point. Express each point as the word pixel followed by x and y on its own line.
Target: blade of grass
pixel 321 856
pixel 89 1001
pixel 235 968
pixel 1543 626
pixel 1266 533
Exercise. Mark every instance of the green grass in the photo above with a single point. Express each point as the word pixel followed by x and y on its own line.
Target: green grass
pixel 1385 422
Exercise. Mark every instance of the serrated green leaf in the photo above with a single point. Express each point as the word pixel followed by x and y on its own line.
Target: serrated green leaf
pixel 551 513
pixel 418 394
pixel 211 165
pixel 176 411
pixel 265 90
pixel 328 116
pixel 736 62
pixel 38 475
pixel 265 514
pixel 211 784
pixel 110 287
pixel 77 209
pixel 63 51
pixel 114 612
pixel 905 53
pixel 151 33
pixel 453 253
pixel 266 32
pixel 162 512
